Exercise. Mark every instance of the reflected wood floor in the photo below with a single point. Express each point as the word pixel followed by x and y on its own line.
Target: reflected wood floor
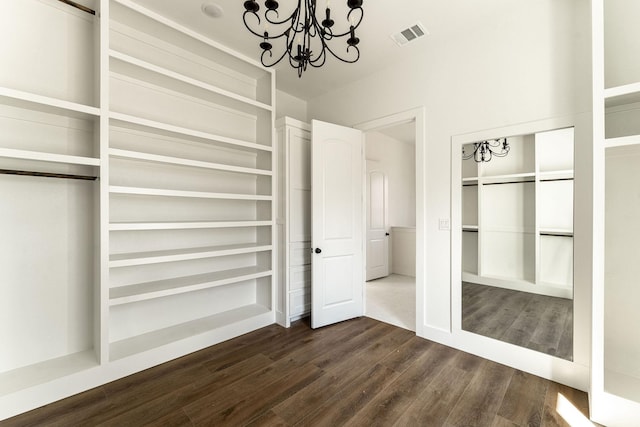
pixel 538 322
pixel 356 373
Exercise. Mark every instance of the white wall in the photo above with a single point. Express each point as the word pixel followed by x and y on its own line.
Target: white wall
pixel 531 62
pixel 291 106
pixel 397 160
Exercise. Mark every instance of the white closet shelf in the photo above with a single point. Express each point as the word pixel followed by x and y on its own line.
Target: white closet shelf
pixel 508 178
pixel 18 98
pixel 621 95
pixel 48 157
pixel 162 288
pixel 185 79
pixel 147 157
pixel 556 175
pixel 255 315
pixel 508 229
pixel 114 189
pixel 184 225
pixel 556 232
pixel 622 141
pixel 43 372
pixel 172 131
pixel 250 63
pixel 155 257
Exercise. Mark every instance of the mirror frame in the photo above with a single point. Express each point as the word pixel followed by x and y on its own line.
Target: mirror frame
pixel 573 373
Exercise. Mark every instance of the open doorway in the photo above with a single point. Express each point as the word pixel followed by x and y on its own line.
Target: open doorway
pixel 390 232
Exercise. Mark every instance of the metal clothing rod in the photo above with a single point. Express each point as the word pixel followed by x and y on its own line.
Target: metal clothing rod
pixel 47 174
pixel 78 6
pixel 508 182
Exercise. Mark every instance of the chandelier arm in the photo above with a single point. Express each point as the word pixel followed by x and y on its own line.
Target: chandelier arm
pixel 275 22
pixel 355 27
pixel 320 58
pixel 271 64
pixel 244 19
pixel 348 61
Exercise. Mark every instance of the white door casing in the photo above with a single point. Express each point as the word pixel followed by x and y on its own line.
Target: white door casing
pixel 377 213
pixel 337 223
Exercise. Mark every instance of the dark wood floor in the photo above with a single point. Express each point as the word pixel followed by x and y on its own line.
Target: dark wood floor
pixel 538 322
pixel 357 373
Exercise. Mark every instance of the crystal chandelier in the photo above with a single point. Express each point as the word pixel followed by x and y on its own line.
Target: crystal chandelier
pixel 484 151
pixel 305 38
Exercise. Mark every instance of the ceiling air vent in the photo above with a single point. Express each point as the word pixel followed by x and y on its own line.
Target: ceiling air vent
pixel 412 33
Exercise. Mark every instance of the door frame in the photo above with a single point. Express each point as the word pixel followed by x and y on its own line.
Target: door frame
pixel 416 115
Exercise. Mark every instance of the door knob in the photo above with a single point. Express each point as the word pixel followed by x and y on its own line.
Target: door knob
pixel 386 234
pixel 318 250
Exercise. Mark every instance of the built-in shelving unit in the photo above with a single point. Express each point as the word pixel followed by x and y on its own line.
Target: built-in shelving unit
pixel 166 244
pixel 517 219
pixel 48 220
pixel 615 370
pixel 188 151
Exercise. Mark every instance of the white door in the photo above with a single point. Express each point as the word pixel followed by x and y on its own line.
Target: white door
pixel 377 234
pixel 337 283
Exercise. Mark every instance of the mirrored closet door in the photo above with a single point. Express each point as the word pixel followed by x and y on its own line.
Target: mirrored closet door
pixel 517 240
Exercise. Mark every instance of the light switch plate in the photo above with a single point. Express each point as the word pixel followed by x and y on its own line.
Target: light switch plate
pixel 443 224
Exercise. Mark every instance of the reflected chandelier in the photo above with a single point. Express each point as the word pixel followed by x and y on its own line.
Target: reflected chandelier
pixel 305 38
pixel 484 151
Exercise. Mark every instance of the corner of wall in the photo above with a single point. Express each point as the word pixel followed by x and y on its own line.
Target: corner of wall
pixel 291 106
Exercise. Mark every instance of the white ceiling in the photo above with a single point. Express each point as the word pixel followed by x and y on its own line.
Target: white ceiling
pixel 381 18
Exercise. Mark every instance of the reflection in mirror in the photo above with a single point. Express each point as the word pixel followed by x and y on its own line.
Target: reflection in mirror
pixel 517 241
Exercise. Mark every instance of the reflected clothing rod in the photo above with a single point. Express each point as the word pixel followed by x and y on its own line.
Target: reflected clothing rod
pixel 78 6
pixel 47 174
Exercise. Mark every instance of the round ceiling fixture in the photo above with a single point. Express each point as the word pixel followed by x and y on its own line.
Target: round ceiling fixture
pixel 212 10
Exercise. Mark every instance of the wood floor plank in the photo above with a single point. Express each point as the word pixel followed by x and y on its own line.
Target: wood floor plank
pixel 149 412
pixel 231 373
pixel 174 419
pixel 340 374
pixel 498 421
pixel 480 401
pixel 435 402
pixel 268 419
pixel 400 359
pixel 344 406
pixel 359 373
pixel 252 405
pixel 391 402
pixel 556 392
pixel 74 410
pixel 524 400
pixel 350 345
